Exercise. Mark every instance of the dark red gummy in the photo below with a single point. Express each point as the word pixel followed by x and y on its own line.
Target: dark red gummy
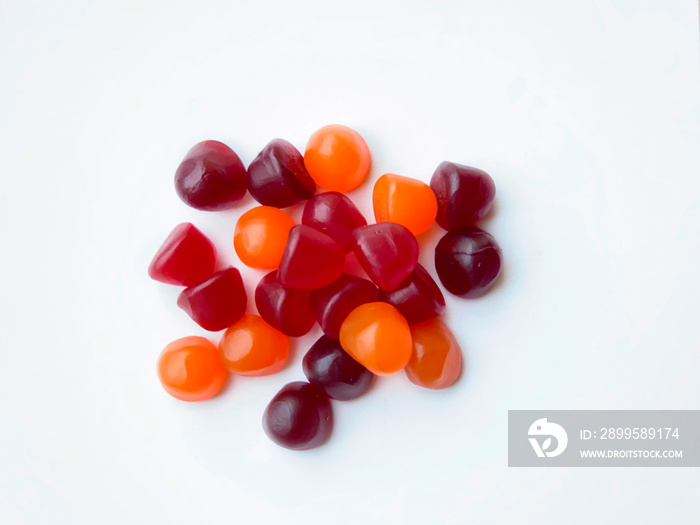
pixel 216 303
pixel 339 375
pixel 211 177
pixel 311 259
pixel 468 261
pixel 287 310
pixel 299 417
pixel 387 251
pixel 277 176
pixel 186 257
pixel 418 297
pixel 464 194
pixel 335 215
pixel 332 303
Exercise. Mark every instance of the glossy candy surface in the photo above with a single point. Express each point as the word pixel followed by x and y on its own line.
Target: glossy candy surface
pixel 299 417
pixel 190 369
pixel 277 176
pixel 251 347
pixel 467 261
pixel 378 337
pixel 436 360
pixel 337 158
pixel 387 251
pixel 332 303
pixel 261 236
pixel 335 215
pixel 372 327
pixel 216 303
pixel 186 257
pixel 211 177
pixel 418 297
pixel 464 194
pixel 339 375
pixel 311 259
pixel 285 309
pixel 405 201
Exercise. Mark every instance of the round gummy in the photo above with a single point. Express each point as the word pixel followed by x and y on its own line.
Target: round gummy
pixel 211 177
pixel 299 417
pixel 329 366
pixel 467 261
pixel 277 176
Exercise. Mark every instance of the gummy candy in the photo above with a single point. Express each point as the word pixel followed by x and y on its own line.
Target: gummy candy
pixel 337 158
pixel 339 375
pixel 299 417
pixel 277 176
pixel 211 177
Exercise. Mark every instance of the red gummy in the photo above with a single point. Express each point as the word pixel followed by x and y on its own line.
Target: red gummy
pixel 387 251
pixel 327 365
pixel 187 257
pixel 418 297
pixel 216 303
pixel 285 309
pixel 311 259
pixel 332 303
pixel 299 417
pixel 468 261
pixel 335 215
pixel 277 176
pixel 464 194
pixel 211 177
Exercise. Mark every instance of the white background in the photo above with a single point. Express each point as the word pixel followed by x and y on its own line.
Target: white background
pixel 586 115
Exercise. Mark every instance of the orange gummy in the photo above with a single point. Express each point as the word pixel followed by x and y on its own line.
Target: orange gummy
pixel 406 201
pixel 190 369
pixel 261 235
pixel 251 347
pixel 378 337
pixel 436 361
pixel 337 158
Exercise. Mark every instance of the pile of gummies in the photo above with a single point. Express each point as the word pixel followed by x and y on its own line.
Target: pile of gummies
pixel 376 324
